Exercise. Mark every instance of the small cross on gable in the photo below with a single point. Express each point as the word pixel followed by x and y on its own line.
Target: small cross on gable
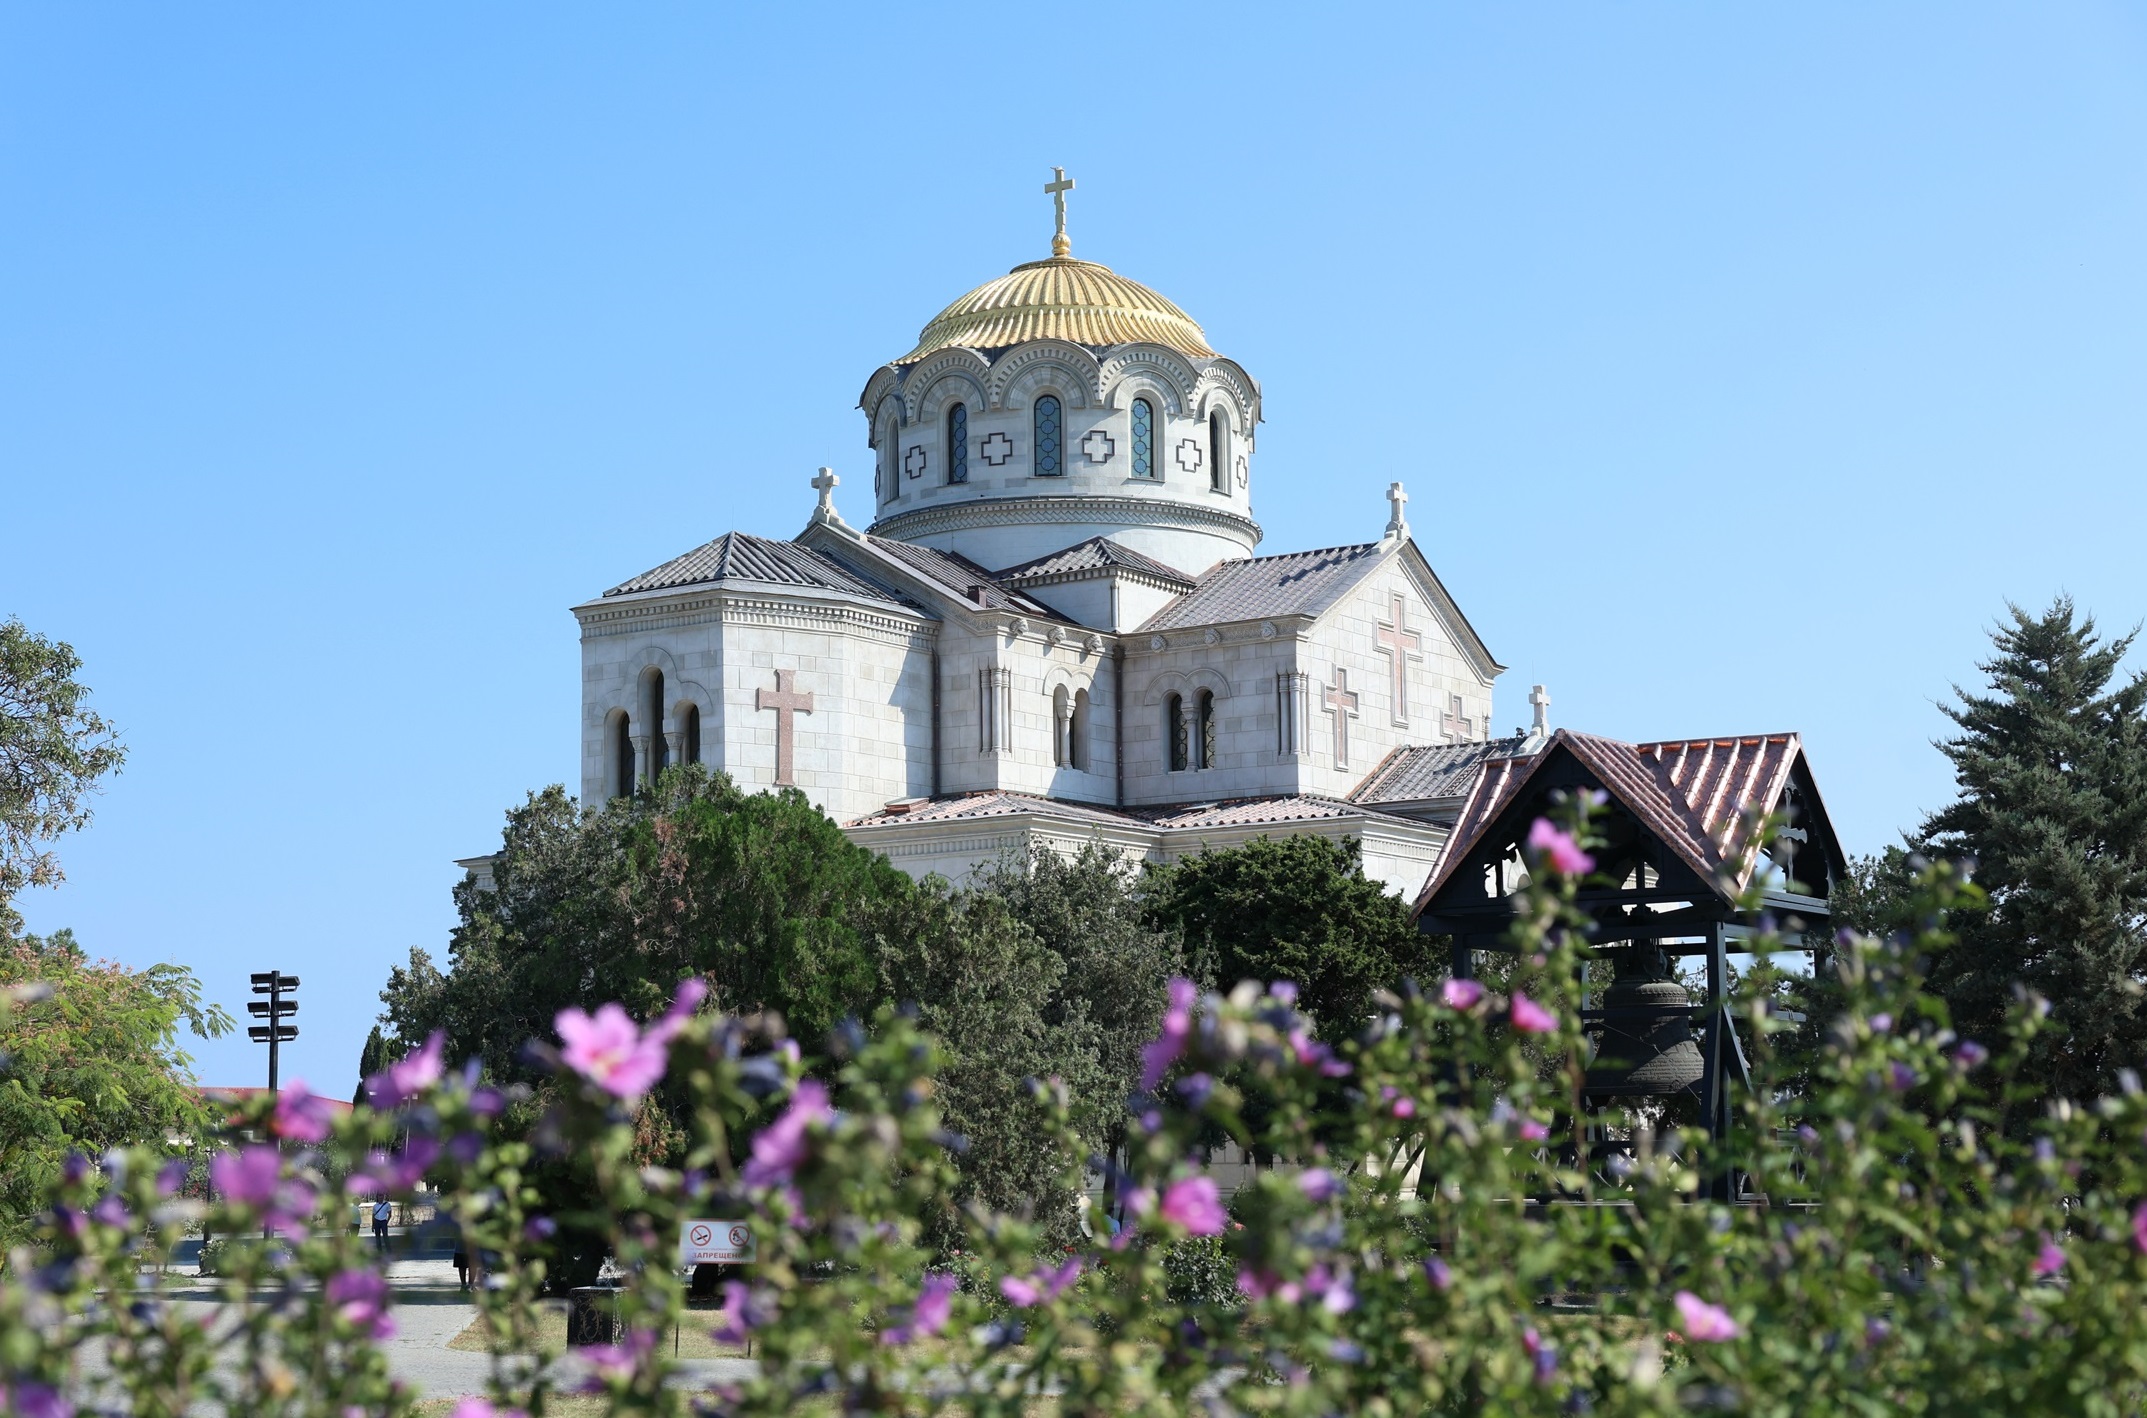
pixel 1341 701
pixel 1457 727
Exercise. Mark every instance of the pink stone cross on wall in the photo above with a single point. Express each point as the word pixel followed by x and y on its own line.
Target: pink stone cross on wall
pixel 1400 642
pixel 784 699
pixel 1341 701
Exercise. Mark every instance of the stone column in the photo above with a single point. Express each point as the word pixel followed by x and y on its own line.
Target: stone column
pixel 642 766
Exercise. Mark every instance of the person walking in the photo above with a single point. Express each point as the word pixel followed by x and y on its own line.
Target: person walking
pixel 382 1211
pixel 462 1260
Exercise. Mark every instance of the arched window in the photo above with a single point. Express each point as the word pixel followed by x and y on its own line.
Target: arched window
pixel 958 444
pixel 690 721
pixel 1144 439
pixel 1048 462
pixel 1061 728
pixel 621 750
pixel 1174 728
pixel 1077 732
pixel 890 470
pixel 652 715
pixel 1218 454
pixel 1204 737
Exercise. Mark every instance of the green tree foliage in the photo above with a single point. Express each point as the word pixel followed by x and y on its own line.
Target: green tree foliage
pixel 1292 908
pixel 53 749
pixel 94 1064
pixel 2051 764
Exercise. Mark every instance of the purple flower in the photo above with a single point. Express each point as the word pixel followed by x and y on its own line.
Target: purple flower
pixel 34 1400
pixel 360 1298
pixel 691 991
pixel 1900 1077
pixel 2049 1259
pixel 2139 1226
pixel 405 1079
pixel 1195 1088
pixel 1551 846
pixel 743 1312
pixel 172 1177
pixel 1881 1023
pixel 1283 992
pixel 1195 1204
pixel 779 1147
pixel 1319 1184
pixel 1533 1131
pixel 929 1315
pixel 539 1228
pixel 1313 1054
pixel 1333 1290
pixel 609 1051
pixel 300 1115
pixel 1041 1288
pixel 1543 1356
pixel 110 1211
pixel 482 1408
pixel 1970 1054
pixel 465 1148
pixel 1530 1017
pixel 1702 1323
pixel 1461 994
pixel 618 1361
pixel 487 1102
pixel 1438 1273
pixel 1164 1050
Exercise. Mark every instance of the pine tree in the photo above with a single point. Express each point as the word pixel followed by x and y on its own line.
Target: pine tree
pixel 2052 770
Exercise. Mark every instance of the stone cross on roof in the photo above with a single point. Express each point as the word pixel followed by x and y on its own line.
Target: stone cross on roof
pixel 1060 246
pixel 1341 701
pixel 785 700
pixel 1400 642
pixel 825 484
pixel 1397 524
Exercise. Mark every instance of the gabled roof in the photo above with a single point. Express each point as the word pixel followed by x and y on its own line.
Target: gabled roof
pixel 957 576
pixel 1416 773
pixel 1698 796
pixel 1232 812
pixel 1097 554
pixel 740 556
pixel 1295 583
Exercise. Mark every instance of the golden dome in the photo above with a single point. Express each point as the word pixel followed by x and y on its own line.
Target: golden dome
pixel 1061 299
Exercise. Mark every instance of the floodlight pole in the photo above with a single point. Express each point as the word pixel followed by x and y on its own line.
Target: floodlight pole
pixel 274 984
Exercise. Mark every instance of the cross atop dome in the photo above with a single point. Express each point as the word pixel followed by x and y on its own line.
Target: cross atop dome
pixel 1060 245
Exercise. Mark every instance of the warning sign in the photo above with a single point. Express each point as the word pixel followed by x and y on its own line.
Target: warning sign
pixel 715 1243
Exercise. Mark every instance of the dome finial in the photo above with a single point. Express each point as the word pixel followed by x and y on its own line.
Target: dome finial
pixel 1060 246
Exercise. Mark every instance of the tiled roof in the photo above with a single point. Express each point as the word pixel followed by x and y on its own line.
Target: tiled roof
pixel 1298 583
pixel 1692 793
pixel 1095 554
pixel 1233 812
pixel 960 577
pixel 740 556
pixel 1422 772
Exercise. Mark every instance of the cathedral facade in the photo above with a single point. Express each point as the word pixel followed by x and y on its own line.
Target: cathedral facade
pixel 1053 624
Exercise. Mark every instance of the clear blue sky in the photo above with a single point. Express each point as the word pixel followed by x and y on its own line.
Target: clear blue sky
pixel 1741 366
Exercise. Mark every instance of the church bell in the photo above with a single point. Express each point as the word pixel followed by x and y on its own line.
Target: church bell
pixel 1646 1046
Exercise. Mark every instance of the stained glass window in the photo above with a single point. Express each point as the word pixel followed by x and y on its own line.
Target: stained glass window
pixel 958 444
pixel 1144 439
pixel 1048 464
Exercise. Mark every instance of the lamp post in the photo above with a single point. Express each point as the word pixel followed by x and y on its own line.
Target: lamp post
pixel 275 1009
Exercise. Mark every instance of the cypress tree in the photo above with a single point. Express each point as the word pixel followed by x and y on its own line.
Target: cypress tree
pixel 2051 765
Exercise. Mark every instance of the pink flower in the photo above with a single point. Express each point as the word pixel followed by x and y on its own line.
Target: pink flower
pixel 253 1176
pixel 2139 1226
pixel 1041 1288
pixel 360 1297
pixel 1703 1323
pixel 1534 1131
pixel 609 1051
pixel 405 1079
pixel 2049 1260
pixel 691 991
pixel 1195 1204
pixel 482 1408
pixel 780 1147
pixel 300 1115
pixel 394 1172
pixel 929 1315
pixel 1461 994
pixel 1530 1017
pixel 1313 1054
pixel 1164 1050
pixel 1544 1357
pixel 1558 851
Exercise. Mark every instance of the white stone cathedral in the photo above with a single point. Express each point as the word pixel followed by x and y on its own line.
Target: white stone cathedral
pixel 1052 627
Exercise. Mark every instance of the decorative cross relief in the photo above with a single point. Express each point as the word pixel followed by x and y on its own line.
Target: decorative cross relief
pixel 1341 702
pixel 996 448
pixel 1189 454
pixel 1244 472
pixel 1400 642
pixel 785 700
pixel 1457 727
pixel 1098 446
pixel 913 462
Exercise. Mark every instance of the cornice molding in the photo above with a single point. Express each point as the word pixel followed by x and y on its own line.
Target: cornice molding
pixel 606 619
pixel 1013 511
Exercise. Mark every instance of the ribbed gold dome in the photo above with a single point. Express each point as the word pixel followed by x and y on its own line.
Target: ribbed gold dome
pixel 1060 299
